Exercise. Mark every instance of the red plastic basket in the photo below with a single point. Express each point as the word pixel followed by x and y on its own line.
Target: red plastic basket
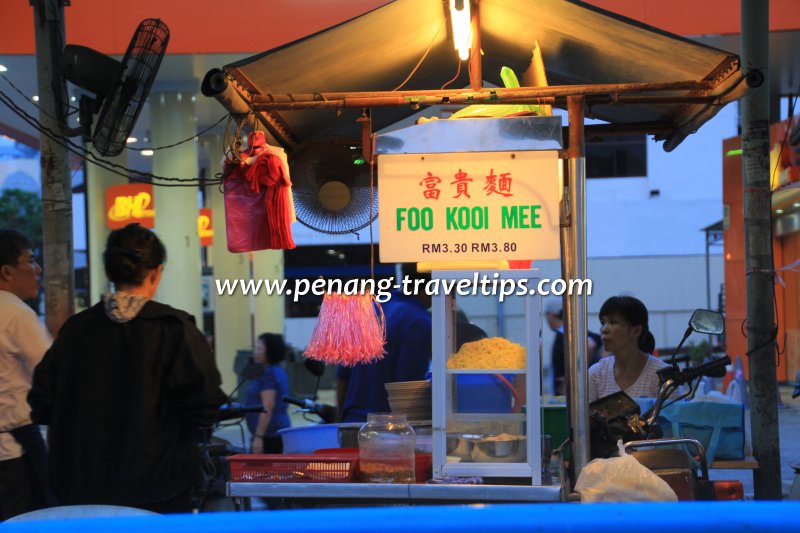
pixel 423 467
pixel 423 461
pixel 337 451
pixel 307 468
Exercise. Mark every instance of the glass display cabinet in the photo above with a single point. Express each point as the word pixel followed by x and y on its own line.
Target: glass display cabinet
pixel 486 374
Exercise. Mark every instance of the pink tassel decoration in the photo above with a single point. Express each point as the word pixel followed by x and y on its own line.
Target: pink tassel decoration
pixel 350 330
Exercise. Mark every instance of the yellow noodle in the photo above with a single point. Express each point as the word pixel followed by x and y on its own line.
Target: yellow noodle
pixel 495 352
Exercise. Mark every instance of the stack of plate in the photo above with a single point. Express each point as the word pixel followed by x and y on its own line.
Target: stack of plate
pixel 412 398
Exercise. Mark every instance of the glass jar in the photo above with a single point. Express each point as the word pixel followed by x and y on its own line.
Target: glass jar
pixel 386 449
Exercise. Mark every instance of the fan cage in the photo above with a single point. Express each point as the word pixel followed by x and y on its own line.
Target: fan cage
pixel 333 159
pixel 138 71
pixel 313 215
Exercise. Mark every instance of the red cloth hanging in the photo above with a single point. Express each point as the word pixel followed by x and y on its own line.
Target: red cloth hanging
pixel 258 204
pixel 268 170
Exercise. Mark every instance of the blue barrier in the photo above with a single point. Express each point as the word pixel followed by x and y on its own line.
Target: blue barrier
pixel 730 517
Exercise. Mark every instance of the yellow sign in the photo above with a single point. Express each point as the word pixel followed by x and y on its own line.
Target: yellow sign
pixel 130 203
pixel 469 206
pixel 205 227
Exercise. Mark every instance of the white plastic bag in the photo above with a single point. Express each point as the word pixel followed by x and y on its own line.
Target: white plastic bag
pixel 622 479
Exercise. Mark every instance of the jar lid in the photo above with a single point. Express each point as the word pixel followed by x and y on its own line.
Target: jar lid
pixel 398 418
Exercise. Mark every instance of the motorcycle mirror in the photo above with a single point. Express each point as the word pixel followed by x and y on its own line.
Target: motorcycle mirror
pixel 252 370
pixel 705 321
pixel 317 368
pixel 702 321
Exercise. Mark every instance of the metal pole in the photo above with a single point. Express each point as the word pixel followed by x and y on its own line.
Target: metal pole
pixel 708 287
pixel 57 254
pixel 566 264
pixel 575 332
pixel 758 251
pixel 615 90
pixel 708 273
pixel 475 60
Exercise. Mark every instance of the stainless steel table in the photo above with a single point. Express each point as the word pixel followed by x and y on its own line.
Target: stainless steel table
pixel 420 493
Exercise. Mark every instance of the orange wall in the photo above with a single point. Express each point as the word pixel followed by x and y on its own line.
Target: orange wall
pixel 785 250
pixel 699 17
pixel 196 26
pixel 733 240
pixel 791 249
pixel 214 26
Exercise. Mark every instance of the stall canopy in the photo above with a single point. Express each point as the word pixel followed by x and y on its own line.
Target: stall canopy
pixel 586 50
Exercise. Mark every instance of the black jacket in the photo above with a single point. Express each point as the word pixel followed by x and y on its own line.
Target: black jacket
pixel 123 403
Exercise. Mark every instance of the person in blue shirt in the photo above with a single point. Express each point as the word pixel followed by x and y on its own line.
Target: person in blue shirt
pixel 554 315
pixel 360 389
pixel 269 390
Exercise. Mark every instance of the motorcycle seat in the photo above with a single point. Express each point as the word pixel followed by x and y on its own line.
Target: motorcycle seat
pixel 664 458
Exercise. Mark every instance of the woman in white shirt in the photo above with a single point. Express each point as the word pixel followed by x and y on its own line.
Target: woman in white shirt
pixel 626 336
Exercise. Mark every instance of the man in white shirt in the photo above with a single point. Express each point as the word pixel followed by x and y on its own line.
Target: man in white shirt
pixel 23 342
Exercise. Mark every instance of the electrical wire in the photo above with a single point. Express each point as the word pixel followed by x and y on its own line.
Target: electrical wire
pixel 80 151
pixel 189 139
pixel 454 78
pixel 688 394
pixel 34 104
pixel 371 205
pixel 131 174
pixel 421 59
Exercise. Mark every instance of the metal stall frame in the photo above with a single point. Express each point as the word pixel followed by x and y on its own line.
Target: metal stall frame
pixel 670 110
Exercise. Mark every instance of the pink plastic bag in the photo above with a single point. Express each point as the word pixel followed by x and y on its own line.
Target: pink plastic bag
pixel 245 215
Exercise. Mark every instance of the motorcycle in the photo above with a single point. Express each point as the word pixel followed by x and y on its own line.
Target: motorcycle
pixel 325 432
pixel 326 413
pixel 210 495
pixel 681 462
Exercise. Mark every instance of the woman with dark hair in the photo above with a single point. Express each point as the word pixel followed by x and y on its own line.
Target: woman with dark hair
pixel 124 389
pixel 626 336
pixel 269 390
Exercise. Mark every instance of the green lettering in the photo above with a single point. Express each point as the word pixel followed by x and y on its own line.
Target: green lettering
pixel 510 216
pixel 463 217
pixel 427 218
pixel 451 218
pixel 400 217
pixel 535 216
pixel 477 218
pixel 413 219
pixel 523 217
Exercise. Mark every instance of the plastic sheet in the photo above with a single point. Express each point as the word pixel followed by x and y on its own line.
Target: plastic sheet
pixel 622 479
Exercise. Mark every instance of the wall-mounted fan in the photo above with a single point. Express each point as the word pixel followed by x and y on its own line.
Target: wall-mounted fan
pixel 120 88
pixel 331 186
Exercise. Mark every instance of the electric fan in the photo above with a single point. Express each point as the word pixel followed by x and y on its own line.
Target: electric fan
pixel 331 186
pixel 120 88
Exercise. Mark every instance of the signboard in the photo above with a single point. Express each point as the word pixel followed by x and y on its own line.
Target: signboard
pixel 130 203
pixel 469 206
pixel 205 227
